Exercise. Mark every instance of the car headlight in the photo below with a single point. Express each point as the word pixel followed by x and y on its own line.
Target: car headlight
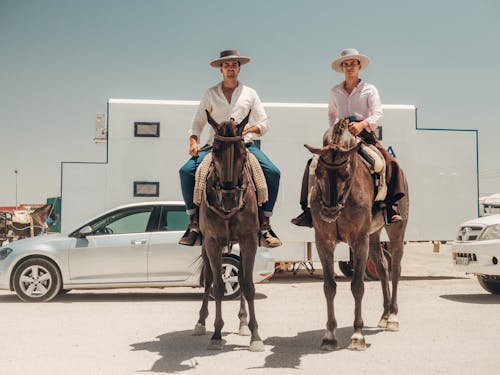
pixel 490 233
pixel 4 252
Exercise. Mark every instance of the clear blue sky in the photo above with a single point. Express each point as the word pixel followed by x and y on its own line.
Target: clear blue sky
pixel 60 60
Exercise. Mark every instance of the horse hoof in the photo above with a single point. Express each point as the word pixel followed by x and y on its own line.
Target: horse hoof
pixel 357 342
pixel 329 345
pixel 393 323
pixel 392 326
pixel 244 331
pixel 216 345
pixel 199 330
pixel 257 346
pixel 382 323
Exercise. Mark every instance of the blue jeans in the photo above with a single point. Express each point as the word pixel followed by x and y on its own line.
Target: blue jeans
pixel 271 173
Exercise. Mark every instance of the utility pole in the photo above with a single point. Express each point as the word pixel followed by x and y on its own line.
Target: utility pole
pixel 15 171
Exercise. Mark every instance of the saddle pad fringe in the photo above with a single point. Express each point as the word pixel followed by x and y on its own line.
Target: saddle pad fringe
pixel 253 167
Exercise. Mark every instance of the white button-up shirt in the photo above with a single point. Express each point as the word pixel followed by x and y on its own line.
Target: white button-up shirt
pixel 363 102
pixel 243 100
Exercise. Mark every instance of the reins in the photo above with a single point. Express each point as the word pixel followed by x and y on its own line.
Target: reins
pixel 241 190
pixel 334 212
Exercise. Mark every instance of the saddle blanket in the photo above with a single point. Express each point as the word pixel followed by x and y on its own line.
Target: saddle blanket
pixel 21 217
pixel 253 168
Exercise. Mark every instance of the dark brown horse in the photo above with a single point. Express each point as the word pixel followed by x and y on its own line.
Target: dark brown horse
pixel 229 214
pixel 343 210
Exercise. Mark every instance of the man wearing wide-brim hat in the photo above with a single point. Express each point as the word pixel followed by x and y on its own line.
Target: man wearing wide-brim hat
pixel 360 102
pixel 229 99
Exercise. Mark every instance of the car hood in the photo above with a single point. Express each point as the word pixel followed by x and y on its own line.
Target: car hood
pixel 38 240
pixel 484 220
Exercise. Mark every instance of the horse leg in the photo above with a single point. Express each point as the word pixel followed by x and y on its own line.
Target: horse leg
pixel 377 256
pixel 360 254
pixel 214 251
pixel 248 248
pixel 396 247
pixel 242 314
pixel 200 328
pixel 330 289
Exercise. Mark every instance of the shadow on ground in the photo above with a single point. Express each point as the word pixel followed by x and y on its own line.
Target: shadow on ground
pixel 483 299
pixel 97 296
pixel 179 350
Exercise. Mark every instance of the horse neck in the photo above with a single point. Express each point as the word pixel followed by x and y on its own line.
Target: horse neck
pixel 40 215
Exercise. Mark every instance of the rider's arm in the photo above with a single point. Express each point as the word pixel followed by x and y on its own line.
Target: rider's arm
pixel 199 121
pixel 260 123
pixel 333 112
pixel 200 117
pixel 375 109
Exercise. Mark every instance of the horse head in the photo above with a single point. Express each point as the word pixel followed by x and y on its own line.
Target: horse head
pixel 336 166
pixel 229 157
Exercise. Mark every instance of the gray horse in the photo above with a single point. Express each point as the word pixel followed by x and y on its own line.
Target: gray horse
pixel 229 214
pixel 343 210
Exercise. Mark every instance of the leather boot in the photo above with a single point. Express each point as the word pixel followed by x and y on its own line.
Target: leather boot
pixel 304 219
pixel 192 236
pixel 267 236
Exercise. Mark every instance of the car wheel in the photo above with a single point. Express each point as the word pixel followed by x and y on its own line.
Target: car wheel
pixel 346 268
pixel 230 272
pixel 36 280
pixel 489 283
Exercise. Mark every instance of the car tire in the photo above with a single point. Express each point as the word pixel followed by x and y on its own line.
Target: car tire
pixel 370 271
pixel 36 280
pixel 346 268
pixel 489 283
pixel 230 272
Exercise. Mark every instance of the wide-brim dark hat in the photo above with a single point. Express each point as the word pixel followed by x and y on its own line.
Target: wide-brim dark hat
pixel 230 54
pixel 350 54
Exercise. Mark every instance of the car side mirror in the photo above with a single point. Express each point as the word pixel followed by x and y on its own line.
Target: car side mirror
pixel 85 231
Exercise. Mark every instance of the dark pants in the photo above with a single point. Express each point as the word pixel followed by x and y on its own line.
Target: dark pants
pixel 271 173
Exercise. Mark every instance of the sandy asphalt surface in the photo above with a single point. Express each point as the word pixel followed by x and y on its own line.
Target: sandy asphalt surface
pixel 449 325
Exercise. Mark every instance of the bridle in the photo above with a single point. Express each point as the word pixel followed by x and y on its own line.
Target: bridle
pixel 239 191
pixel 328 212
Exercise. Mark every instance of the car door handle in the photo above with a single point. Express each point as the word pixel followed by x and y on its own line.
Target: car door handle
pixel 138 242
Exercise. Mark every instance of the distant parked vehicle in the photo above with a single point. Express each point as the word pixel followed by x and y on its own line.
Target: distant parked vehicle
pixel 477 251
pixel 129 246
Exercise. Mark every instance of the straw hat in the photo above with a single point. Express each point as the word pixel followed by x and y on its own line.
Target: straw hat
pixel 230 54
pixel 350 54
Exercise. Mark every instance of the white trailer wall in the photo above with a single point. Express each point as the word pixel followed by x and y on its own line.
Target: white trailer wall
pixel 441 166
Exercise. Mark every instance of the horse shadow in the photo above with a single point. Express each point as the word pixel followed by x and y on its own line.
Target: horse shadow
pixel 178 350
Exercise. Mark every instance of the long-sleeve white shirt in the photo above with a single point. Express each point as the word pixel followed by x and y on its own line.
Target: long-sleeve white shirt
pixel 363 102
pixel 243 100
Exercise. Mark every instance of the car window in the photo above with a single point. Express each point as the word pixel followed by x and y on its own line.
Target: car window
pixel 125 221
pixel 173 219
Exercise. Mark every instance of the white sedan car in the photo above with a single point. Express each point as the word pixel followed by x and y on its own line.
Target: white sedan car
pixel 477 250
pixel 130 246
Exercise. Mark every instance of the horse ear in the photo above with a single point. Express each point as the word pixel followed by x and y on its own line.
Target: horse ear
pixel 314 150
pixel 243 123
pixel 212 122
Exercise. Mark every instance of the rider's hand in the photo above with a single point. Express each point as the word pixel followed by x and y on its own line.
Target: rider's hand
pixel 251 129
pixel 193 147
pixel 356 127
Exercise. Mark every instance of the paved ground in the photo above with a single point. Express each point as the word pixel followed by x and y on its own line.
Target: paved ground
pixel 449 325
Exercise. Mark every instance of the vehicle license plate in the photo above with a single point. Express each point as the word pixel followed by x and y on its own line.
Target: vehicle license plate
pixel 462 260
